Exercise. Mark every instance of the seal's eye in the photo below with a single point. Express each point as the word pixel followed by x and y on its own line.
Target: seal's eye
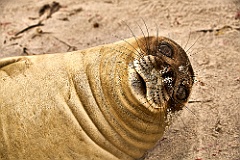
pixel 182 93
pixel 165 49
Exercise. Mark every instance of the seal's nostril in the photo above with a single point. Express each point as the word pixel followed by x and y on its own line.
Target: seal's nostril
pixel 168 79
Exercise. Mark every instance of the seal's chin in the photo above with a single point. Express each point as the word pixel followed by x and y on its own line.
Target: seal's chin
pixel 154 92
pixel 156 95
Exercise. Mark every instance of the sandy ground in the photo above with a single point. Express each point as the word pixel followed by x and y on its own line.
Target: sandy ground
pixel 209 30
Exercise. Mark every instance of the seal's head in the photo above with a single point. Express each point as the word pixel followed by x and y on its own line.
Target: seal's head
pixel 164 73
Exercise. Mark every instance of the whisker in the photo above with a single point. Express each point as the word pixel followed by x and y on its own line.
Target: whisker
pixel 193 44
pixel 171 97
pixel 183 122
pixel 140 54
pixel 204 76
pixel 198 101
pixel 121 52
pixel 187 40
pixel 195 52
pixel 190 111
pixel 190 51
pixel 148 34
pixel 145 39
pixel 133 36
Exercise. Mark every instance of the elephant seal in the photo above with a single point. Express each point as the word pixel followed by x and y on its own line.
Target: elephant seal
pixel 106 102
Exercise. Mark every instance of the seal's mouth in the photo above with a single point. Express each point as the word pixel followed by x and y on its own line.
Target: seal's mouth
pixel 143 84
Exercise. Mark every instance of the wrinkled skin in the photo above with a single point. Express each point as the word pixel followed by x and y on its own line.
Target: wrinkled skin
pixel 106 102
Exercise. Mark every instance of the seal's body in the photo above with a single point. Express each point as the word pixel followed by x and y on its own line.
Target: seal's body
pixel 106 102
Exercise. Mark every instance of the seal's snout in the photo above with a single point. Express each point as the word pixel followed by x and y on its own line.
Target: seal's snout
pixel 156 79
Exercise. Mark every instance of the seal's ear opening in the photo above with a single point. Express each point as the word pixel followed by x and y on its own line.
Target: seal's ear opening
pixel 169 81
